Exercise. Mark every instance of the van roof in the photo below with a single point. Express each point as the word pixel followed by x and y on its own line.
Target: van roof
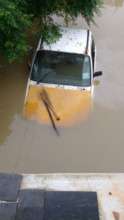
pixel 73 40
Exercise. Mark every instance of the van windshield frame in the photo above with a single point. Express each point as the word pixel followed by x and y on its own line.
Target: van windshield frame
pixel 61 68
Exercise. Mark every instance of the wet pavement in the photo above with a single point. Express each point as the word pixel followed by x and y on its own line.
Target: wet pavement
pixel 62 196
pixel 92 145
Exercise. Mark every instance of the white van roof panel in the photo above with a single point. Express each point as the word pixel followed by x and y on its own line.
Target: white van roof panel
pixel 72 41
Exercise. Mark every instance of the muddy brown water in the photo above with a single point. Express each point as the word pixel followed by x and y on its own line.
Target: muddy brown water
pixel 94 145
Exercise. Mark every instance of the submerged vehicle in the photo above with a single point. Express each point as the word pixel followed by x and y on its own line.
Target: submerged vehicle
pixel 61 81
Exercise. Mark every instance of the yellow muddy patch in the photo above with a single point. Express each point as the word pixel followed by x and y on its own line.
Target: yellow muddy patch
pixel 70 106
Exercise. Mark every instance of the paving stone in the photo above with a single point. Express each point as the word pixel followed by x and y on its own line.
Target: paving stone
pixel 31 205
pixel 71 206
pixel 7 211
pixel 9 186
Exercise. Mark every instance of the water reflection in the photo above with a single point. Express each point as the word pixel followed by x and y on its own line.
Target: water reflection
pixel 12 88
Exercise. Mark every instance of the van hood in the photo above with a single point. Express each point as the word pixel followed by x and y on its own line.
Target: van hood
pixel 66 106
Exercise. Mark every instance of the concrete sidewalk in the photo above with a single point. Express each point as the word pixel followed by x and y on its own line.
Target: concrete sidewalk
pixel 62 196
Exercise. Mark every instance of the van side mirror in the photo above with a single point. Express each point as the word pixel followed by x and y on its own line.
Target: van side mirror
pixel 99 73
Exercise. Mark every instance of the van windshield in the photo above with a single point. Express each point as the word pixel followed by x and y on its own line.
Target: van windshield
pixel 61 68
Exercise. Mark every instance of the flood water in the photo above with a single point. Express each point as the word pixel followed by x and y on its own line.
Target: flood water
pixel 93 145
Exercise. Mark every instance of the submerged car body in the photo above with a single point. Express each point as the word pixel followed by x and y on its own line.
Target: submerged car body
pixel 61 79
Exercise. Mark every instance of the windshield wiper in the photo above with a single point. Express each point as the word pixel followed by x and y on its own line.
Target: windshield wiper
pixel 51 117
pixel 50 109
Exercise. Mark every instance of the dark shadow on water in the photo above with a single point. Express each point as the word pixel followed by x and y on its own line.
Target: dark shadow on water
pixel 13 80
